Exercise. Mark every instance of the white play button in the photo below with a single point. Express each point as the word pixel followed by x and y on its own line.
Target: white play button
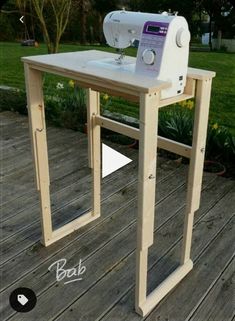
pixel 112 160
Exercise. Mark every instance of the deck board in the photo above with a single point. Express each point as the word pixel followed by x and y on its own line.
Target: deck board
pixel 107 245
pixel 162 258
pixel 218 304
pixel 21 240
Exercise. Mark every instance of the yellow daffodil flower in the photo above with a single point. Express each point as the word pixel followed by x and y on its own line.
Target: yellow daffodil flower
pixel 190 104
pixel 106 97
pixel 215 126
pixel 71 83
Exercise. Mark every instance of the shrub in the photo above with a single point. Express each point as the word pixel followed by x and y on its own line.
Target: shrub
pixel 65 105
pixel 220 143
pixel 14 100
pixel 176 122
pixel 7 31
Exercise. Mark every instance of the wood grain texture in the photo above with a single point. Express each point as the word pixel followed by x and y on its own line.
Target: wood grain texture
pixel 148 90
pixel 37 124
pixel 219 303
pixel 108 248
pixel 165 264
pixel 162 261
pixel 74 65
pixel 162 142
pixel 114 194
pixel 206 271
pixel 203 93
pixel 146 190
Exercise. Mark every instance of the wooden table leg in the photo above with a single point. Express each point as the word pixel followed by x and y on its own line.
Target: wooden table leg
pixel 146 194
pixel 146 190
pixel 93 105
pixel 39 146
pixel 202 105
pixel 95 149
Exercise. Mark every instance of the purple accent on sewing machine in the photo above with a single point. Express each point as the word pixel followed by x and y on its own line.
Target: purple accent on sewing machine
pixel 156 28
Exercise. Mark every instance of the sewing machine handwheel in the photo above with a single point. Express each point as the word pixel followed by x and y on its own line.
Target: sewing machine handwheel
pixel 148 56
pixel 182 37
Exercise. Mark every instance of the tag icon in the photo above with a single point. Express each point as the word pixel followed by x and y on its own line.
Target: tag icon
pixel 22 299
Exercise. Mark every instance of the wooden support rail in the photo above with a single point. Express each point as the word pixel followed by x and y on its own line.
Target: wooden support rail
pixel 164 143
pixel 165 287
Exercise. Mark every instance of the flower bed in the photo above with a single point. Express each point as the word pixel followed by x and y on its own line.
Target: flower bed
pixel 65 105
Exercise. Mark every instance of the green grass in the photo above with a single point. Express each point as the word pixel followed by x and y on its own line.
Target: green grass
pixel 222 109
pixel 11 67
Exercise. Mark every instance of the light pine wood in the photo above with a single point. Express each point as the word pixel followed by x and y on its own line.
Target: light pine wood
pixel 112 287
pixel 146 189
pixel 190 86
pixel 162 142
pixel 148 91
pixel 189 92
pixel 33 83
pixel 89 129
pixel 113 291
pixel 202 105
pixel 174 147
pixel 200 74
pixel 71 227
pixel 117 127
pixel 208 266
pixel 75 66
pixel 39 146
pixel 94 106
pixel 141 278
pixel 147 168
pixel 144 228
pixel 113 198
pixel 174 100
pixel 165 287
pixel 94 155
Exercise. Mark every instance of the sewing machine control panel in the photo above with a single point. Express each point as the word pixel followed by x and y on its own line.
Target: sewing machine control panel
pixel 151 46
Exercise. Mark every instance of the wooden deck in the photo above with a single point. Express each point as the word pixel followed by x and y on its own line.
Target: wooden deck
pixel 107 245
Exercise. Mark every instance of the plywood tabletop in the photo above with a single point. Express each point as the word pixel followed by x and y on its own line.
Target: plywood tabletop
pixel 76 65
pixel 200 74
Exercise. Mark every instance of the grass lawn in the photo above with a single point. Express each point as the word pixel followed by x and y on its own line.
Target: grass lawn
pixel 222 109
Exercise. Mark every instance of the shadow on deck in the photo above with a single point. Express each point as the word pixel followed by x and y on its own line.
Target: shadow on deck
pixel 107 245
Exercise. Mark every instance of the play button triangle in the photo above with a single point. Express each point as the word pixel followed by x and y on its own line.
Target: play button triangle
pixel 112 160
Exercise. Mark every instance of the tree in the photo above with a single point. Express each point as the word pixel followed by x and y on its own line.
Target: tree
pixel 84 7
pixel 102 7
pixel 53 16
pixel 2 2
pixel 218 12
pixel 22 5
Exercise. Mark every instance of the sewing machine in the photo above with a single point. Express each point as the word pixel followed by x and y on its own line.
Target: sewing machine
pixel 163 46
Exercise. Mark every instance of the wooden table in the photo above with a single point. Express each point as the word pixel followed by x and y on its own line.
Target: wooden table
pixel 148 92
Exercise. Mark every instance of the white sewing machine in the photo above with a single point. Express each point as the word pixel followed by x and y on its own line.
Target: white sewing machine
pixel 163 46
